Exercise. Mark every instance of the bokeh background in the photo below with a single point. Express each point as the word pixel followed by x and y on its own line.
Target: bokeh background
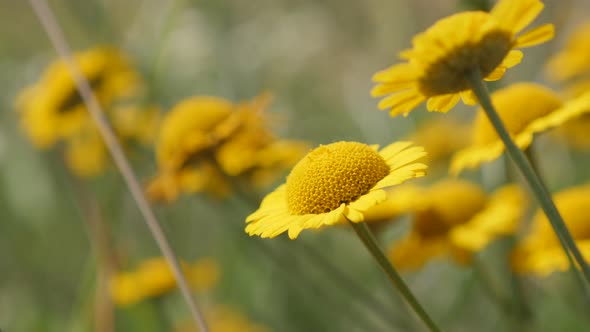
pixel 317 59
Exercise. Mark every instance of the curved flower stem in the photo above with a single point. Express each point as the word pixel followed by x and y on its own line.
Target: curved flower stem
pixel 538 188
pixel 57 38
pixel 370 243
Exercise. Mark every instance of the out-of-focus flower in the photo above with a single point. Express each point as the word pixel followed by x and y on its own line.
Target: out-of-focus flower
pixel 52 112
pixel 456 217
pixel 439 63
pixel 441 138
pixel 539 251
pixel 205 143
pixel 224 319
pixel 573 61
pixel 526 109
pixel 51 109
pixel 153 277
pixel 333 183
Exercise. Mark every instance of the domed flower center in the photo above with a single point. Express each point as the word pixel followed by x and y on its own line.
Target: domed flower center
pixel 331 175
pixel 518 106
pixel 484 46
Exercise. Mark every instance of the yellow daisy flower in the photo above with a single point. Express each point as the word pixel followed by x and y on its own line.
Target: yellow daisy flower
pixel 573 61
pixel 526 109
pixel 456 217
pixel 153 277
pixel 333 183
pixel 52 109
pixel 437 66
pixel 206 141
pixel 540 252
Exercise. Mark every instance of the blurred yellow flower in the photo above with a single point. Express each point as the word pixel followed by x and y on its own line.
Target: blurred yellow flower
pixel 538 253
pixel 206 142
pixel 456 217
pixel 52 109
pixel 53 112
pixel 333 183
pixel 437 66
pixel 224 319
pixel 526 109
pixel 573 61
pixel 153 277
pixel 428 135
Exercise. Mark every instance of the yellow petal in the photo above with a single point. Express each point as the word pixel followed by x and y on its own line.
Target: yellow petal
pixel 443 103
pixel 516 14
pixel 536 36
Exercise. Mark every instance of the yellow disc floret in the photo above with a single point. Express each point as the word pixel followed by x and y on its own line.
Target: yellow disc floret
pixel 331 175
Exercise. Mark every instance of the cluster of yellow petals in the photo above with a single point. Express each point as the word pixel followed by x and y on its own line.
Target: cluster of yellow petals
pixel 457 218
pixel 526 109
pixel 332 184
pixel 52 111
pixel 153 277
pixel 540 252
pixel 206 141
pixel 438 66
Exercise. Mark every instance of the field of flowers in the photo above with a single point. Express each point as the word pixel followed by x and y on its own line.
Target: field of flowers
pixel 289 166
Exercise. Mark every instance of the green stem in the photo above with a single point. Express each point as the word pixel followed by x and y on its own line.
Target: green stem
pixel 370 243
pixel 535 183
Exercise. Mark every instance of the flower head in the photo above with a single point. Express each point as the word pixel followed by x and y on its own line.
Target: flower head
pixel 539 251
pixel 456 217
pixel 439 63
pixel 205 142
pixel 153 277
pixel 526 109
pixel 332 183
pixel 573 61
pixel 52 109
pixel 221 318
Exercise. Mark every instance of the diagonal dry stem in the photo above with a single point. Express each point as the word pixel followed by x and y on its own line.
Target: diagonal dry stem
pixel 51 26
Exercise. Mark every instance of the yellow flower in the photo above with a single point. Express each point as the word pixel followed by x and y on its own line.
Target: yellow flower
pixel 455 217
pixel 205 142
pixel 429 136
pixel 575 132
pixel 153 277
pixel 400 200
pixel 573 61
pixel 437 66
pixel 526 109
pixel 539 252
pixel 133 122
pixel 332 183
pixel 52 109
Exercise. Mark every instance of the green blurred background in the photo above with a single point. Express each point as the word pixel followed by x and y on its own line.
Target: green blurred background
pixel 317 58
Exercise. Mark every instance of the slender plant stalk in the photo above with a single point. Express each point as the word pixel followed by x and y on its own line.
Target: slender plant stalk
pixel 105 259
pixel 541 193
pixel 51 26
pixel 368 239
pixel 346 283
